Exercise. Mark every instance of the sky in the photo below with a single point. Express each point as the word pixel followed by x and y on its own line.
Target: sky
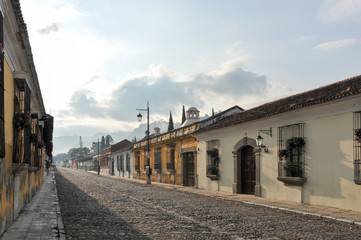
pixel 98 61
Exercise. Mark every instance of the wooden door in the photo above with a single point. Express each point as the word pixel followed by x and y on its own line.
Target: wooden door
pixel 248 170
pixel 188 166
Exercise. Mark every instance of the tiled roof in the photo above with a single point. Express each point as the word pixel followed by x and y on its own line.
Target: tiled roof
pixel 328 93
pixel 125 144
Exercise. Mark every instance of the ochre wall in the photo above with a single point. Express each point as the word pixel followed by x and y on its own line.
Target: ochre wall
pixel 6 176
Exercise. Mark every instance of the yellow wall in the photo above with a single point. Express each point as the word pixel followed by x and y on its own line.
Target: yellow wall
pixel 6 170
pixel 165 176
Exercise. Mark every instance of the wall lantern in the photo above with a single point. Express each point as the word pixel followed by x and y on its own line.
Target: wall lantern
pixel 259 140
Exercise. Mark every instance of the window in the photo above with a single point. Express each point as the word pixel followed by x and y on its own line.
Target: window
pixel 128 161
pixel 212 160
pixel 2 122
pixel 120 163
pixel 357 146
pixel 291 151
pixel 158 159
pixel 145 162
pixel 137 161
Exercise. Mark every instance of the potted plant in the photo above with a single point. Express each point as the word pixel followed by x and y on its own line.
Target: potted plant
pixel 292 169
pixel 33 138
pixel 358 135
pixel 282 154
pixel 18 121
pixel 295 142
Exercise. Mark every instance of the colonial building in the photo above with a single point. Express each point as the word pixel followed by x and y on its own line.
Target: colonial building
pixel 25 128
pixel 304 148
pixel 104 160
pixel 173 155
pixel 122 159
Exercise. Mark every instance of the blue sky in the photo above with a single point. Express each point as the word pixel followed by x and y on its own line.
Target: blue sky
pixel 97 61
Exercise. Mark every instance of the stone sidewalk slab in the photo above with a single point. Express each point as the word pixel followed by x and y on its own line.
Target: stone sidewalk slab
pixel 41 218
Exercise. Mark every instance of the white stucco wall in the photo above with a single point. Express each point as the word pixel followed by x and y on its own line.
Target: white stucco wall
pixel 329 156
pixel 124 173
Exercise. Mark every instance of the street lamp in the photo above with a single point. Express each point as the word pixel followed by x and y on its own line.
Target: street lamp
pixel 148 168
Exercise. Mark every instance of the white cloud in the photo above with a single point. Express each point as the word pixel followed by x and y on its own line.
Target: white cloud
pixel 304 38
pixel 48 29
pixel 331 45
pixel 340 10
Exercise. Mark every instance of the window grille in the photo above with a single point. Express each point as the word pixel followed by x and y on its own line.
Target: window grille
pixel 291 151
pixel 213 159
pixel 357 146
pixel 158 159
pixel 128 161
pixel 137 161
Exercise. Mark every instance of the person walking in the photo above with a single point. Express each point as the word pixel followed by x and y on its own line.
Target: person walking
pixel 47 165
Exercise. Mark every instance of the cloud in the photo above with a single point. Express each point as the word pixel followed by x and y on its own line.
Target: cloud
pixel 158 86
pixel 48 29
pixel 304 38
pixel 331 45
pixel 340 11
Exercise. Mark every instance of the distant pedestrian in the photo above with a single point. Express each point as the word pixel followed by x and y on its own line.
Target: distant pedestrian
pixel 47 165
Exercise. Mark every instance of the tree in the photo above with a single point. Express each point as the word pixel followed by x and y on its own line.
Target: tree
pixel 170 124
pixel 183 115
pixel 108 140
pixel 102 143
pixel 78 152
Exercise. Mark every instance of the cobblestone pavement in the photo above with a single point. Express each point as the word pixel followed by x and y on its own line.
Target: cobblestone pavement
pixel 95 207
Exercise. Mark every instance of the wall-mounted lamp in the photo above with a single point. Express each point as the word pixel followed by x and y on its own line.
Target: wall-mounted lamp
pixel 259 142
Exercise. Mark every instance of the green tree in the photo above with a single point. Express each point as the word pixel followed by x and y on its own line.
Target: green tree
pixel 170 124
pixel 183 115
pixel 102 143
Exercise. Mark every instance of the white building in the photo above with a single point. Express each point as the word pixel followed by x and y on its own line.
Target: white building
pixel 122 159
pixel 310 151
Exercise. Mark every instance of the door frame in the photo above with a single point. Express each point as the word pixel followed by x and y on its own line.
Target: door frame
pixel 237 183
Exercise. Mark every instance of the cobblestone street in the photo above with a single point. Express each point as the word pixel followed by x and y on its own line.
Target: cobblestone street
pixel 96 207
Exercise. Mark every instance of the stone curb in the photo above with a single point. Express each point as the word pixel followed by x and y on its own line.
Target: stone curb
pixel 61 231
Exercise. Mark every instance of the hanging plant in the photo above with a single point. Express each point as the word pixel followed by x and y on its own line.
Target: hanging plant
pixel 282 153
pixel 295 143
pixel 33 138
pixel 358 135
pixel 18 121
pixel 213 153
pixel 28 122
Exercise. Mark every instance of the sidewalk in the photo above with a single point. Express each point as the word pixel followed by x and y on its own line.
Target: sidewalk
pixel 330 213
pixel 40 219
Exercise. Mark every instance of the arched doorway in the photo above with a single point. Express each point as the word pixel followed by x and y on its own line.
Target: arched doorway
pixel 246 156
pixel 248 169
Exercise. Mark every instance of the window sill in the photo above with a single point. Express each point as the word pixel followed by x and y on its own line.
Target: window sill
pixel 213 177
pixel 293 181
pixel 19 167
pixel 33 169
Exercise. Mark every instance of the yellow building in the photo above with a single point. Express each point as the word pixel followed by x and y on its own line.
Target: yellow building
pixel 25 128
